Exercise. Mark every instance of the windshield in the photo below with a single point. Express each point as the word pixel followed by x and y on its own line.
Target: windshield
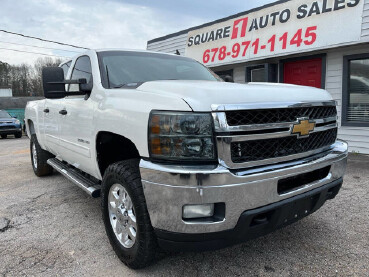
pixel 120 68
pixel 4 114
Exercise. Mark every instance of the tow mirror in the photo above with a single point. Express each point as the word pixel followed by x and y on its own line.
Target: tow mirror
pixel 53 84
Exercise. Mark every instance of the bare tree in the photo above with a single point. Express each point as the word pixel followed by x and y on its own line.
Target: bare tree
pixel 37 70
pixel 24 79
pixel 4 74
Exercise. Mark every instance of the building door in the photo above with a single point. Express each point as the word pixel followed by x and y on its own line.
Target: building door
pixel 303 72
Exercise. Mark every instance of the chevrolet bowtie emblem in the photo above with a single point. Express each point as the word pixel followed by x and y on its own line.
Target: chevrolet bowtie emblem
pixel 303 127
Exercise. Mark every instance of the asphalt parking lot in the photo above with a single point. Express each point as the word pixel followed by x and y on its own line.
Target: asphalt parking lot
pixel 49 227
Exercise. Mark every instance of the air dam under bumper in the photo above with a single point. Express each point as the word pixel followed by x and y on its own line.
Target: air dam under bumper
pixel 168 188
pixel 10 131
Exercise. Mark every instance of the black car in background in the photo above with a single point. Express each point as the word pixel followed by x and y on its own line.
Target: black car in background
pixel 9 125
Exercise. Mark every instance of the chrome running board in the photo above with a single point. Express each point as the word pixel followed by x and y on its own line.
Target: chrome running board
pixel 92 188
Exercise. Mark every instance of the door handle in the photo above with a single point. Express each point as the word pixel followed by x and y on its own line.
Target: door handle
pixel 63 112
pixel 46 110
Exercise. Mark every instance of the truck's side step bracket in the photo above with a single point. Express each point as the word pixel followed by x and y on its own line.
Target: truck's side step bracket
pixel 92 188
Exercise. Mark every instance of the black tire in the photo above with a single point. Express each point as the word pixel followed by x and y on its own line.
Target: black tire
pixel 41 168
pixel 4 136
pixel 126 173
pixel 18 135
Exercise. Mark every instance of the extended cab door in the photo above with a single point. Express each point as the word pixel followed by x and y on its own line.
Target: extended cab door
pixel 76 123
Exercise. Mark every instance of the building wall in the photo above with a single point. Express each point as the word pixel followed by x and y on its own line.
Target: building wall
pixel 357 137
pixel 171 44
pixel 6 92
pixel 7 103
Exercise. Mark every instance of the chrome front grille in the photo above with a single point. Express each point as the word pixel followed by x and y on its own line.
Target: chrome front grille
pixel 235 118
pixel 261 134
pixel 256 150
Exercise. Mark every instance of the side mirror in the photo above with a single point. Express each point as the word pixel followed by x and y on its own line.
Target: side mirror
pixel 228 78
pixel 84 86
pixel 15 116
pixel 53 84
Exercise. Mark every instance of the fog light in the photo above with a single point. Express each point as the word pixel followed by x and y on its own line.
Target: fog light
pixel 198 211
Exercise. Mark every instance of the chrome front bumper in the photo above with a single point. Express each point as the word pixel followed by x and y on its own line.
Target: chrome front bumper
pixel 168 188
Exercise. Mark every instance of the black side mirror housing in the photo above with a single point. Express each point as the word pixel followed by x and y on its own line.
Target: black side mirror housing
pixel 228 78
pixel 85 87
pixel 54 84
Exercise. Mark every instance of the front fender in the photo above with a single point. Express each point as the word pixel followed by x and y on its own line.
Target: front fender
pixel 126 113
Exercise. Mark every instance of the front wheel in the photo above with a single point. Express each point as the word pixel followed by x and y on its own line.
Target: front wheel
pixel 125 215
pixel 4 136
pixel 39 158
pixel 18 135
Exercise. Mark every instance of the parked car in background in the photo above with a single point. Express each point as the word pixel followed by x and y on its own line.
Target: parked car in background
pixel 9 125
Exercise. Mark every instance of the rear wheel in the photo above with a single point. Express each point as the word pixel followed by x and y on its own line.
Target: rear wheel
pixel 39 158
pixel 125 215
pixel 4 136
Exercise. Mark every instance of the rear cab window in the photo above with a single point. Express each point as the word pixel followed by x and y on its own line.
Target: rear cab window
pixel 65 68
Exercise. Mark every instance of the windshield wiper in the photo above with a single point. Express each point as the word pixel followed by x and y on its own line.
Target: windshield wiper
pixel 136 84
pixel 128 85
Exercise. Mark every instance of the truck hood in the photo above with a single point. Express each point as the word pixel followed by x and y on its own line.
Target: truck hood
pixel 201 95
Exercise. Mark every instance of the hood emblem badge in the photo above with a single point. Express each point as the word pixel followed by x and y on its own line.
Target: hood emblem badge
pixel 303 127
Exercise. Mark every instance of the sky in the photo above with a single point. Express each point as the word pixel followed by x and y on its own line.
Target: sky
pixel 102 23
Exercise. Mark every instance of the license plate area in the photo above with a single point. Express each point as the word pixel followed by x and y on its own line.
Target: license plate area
pixel 300 208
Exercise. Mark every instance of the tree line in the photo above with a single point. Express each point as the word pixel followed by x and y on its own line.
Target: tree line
pixel 25 79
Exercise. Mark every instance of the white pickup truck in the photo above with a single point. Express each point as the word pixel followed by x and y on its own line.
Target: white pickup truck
pixel 183 160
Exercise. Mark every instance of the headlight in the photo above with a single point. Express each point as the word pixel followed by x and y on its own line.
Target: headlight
pixel 17 122
pixel 181 136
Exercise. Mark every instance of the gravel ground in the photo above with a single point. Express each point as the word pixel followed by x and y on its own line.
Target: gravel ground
pixel 49 227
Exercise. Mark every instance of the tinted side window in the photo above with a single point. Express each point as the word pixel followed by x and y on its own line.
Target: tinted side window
pixel 82 69
pixel 65 68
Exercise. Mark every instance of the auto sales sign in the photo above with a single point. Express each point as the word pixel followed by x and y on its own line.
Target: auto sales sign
pixel 285 28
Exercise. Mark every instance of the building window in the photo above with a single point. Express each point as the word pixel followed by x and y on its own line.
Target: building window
pixel 356 90
pixel 261 73
pixel 257 74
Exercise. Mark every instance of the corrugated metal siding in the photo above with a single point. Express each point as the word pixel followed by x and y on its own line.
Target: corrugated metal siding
pixel 365 23
pixel 357 137
pixel 170 45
